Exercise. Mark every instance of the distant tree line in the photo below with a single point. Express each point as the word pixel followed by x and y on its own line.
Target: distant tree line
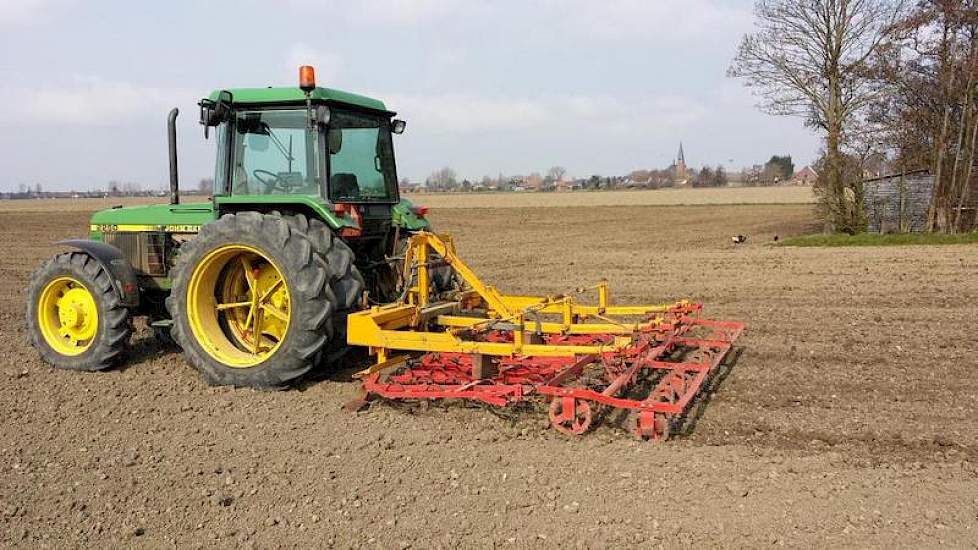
pixel 446 179
pixel 778 170
pixel 710 177
pixel 112 188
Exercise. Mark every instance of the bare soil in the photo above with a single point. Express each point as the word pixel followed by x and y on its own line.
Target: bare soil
pixel 680 196
pixel 849 419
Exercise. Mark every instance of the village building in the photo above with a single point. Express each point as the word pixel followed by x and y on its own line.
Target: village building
pixel 805 176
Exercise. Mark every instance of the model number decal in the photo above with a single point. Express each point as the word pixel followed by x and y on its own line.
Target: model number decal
pixel 170 228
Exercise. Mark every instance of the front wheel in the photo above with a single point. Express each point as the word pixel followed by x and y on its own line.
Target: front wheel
pixel 75 318
pixel 251 304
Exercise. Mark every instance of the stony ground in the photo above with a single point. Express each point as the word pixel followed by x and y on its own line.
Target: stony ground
pixel 849 419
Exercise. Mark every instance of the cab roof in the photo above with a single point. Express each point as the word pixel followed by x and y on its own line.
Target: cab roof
pixel 246 96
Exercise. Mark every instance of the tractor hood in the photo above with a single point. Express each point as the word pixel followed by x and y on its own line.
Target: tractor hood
pixel 173 218
pixel 187 218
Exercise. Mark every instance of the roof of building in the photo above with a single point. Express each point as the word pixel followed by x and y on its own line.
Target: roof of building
pixel 244 96
pixel 917 172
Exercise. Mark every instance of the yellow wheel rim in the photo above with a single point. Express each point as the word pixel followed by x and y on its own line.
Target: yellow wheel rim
pixel 68 316
pixel 238 305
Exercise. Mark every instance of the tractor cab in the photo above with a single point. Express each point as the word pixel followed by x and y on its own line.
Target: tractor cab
pixel 328 151
pixel 335 147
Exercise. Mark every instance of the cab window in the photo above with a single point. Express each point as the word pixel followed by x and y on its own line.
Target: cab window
pixel 275 153
pixel 361 158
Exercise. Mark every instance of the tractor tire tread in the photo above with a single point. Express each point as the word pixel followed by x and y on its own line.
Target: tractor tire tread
pixel 114 329
pixel 345 281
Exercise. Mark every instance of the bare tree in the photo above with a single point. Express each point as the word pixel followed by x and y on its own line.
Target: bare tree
pixel 720 176
pixel 810 58
pixel 930 120
pixel 443 179
pixel 556 173
pixel 704 178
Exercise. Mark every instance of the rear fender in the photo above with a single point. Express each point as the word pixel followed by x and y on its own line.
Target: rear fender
pixel 404 215
pixel 115 263
pixel 305 204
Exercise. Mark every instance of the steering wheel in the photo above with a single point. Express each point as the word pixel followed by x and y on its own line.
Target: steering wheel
pixel 272 181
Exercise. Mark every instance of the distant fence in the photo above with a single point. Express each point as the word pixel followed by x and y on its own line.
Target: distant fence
pixel 898 203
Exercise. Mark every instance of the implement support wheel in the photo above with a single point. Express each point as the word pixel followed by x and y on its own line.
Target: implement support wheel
pixel 570 416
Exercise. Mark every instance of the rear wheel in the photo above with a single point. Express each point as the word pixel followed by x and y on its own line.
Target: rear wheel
pixel 75 318
pixel 250 302
pixel 345 280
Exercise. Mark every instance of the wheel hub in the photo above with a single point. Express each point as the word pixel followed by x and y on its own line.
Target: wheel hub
pixel 239 305
pixel 68 316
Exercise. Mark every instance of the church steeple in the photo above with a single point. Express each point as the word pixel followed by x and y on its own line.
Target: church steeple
pixel 681 165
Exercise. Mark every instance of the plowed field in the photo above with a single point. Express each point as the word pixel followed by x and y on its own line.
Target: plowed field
pixel 849 419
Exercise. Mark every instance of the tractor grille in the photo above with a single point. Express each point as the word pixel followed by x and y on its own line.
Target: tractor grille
pixel 146 251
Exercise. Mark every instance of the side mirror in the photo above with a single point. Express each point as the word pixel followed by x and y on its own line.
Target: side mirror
pixel 206 113
pixel 214 112
pixel 398 126
pixel 334 140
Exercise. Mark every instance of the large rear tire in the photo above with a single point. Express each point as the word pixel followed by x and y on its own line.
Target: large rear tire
pixel 75 318
pixel 345 280
pixel 251 302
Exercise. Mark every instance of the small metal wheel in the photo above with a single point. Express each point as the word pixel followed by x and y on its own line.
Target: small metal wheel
pixel 570 416
pixel 650 426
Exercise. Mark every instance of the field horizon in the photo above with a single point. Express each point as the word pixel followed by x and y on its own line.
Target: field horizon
pixel 504 199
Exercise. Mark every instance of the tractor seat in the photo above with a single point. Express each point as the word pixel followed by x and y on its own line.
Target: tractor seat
pixel 344 186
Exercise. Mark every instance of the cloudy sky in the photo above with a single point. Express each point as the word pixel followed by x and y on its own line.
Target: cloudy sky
pixel 487 87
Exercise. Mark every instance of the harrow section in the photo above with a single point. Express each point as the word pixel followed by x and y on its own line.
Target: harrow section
pixel 471 342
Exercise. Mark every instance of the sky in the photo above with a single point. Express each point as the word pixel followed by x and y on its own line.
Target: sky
pixel 505 86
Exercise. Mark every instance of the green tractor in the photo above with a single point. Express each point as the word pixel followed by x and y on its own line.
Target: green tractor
pixel 304 226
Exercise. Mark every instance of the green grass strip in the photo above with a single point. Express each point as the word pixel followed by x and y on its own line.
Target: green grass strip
pixel 876 239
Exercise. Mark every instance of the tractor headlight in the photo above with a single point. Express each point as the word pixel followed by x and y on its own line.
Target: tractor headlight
pixel 398 126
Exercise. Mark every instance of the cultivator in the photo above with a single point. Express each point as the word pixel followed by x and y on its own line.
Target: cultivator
pixel 468 341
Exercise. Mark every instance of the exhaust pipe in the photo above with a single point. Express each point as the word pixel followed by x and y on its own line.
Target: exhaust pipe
pixel 171 132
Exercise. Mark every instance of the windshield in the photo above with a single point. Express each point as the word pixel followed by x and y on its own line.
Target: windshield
pixel 361 158
pixel 274 153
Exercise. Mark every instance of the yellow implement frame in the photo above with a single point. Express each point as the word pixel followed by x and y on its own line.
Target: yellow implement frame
pixel 430 320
